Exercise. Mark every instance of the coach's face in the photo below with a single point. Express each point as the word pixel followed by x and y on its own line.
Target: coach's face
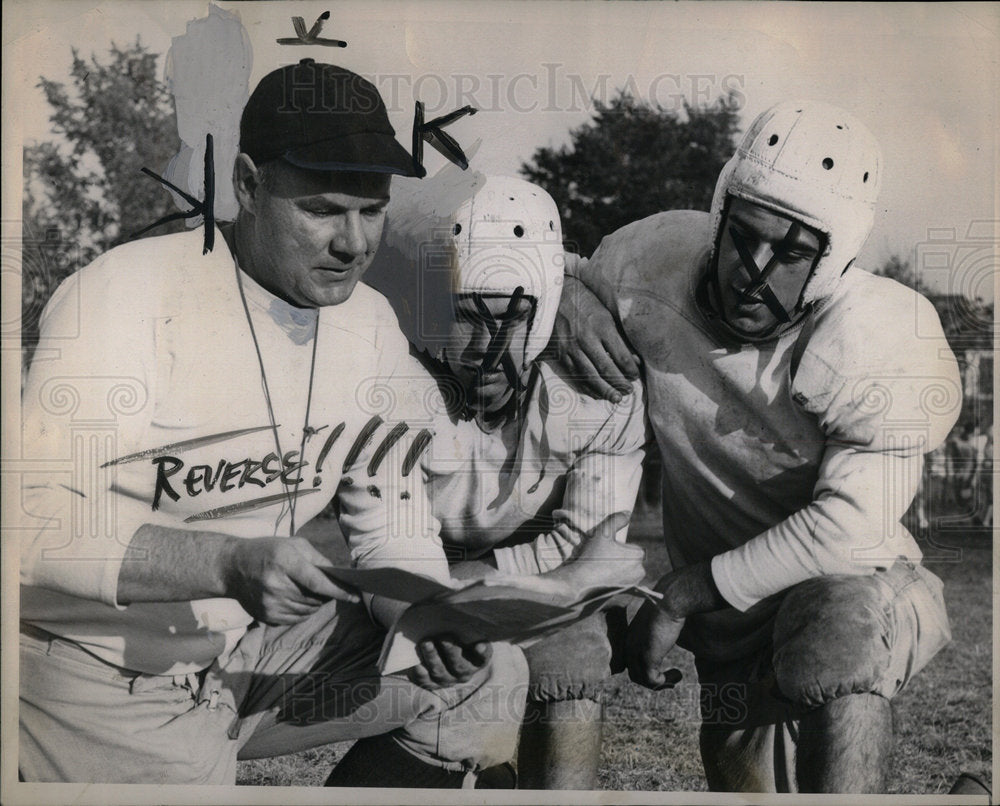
pixel 308 236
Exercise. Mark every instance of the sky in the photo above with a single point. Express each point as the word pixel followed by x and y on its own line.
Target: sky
pixel 923 77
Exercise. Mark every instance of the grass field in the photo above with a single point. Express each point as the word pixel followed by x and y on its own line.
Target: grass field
pixel 943 718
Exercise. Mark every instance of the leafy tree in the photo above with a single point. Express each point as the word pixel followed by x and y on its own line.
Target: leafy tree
pixel 900 270
pixel 632 160
pixel 84 192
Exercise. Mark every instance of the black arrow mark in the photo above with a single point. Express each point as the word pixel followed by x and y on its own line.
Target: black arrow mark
pixel 310 37
pixel 430 131
pixel 205 208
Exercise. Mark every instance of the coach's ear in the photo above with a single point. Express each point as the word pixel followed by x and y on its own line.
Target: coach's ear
pixel 246 182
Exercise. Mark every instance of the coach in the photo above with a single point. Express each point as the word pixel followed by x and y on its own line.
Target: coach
pixel 187 413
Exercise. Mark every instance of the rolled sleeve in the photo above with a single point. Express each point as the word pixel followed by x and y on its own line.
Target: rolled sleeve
pixel 883 396
pixel 385 511
pixel 852 527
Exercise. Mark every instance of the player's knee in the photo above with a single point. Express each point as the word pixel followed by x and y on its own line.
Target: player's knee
pixel 572 664
pixel 509 671
pixel 832 638
pixel 499 698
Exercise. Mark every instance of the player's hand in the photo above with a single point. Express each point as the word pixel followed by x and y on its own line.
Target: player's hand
pixel 446 662
pixel 651 635
pixel 279 580
pixel 589 344
pixel 602 560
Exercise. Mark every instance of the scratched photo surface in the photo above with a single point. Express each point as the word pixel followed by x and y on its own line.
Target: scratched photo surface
pixel 121 131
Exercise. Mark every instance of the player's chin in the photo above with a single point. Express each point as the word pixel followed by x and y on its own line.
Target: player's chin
pixel 491 397
pixel 752 319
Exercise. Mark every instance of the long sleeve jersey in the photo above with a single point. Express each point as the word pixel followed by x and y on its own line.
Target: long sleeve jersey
pixel 151 399
pixel 786 459
pixel 537 484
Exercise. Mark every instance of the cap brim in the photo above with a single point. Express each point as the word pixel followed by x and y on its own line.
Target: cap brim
pixel 374 152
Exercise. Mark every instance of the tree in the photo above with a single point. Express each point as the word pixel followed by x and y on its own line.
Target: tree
pixel 900 270
pixel 84 192
pixel 632 160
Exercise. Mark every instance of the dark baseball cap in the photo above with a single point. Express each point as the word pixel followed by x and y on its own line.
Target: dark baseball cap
pixel 321 117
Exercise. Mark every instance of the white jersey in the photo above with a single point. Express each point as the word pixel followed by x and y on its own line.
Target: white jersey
pixel 540 483
pixel 787 459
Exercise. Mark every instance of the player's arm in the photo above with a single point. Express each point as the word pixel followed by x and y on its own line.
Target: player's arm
pixel 388 522
pixel 386 518
pixel 883 399
pixel 587 333
pixel 603 480
pixel 858 500
pixel 898 401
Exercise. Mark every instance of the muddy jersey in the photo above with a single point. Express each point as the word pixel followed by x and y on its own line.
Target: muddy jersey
pixel 794 457
pixel 537 483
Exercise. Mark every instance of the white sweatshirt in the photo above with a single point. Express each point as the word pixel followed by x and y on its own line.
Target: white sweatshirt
pixel 145 404
pixel 541 483
pixel 777 474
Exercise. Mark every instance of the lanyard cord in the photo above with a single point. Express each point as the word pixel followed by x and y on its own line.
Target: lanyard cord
pixel 305 422
pixel 291 496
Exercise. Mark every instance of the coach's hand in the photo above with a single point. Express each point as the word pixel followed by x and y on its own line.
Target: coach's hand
pixel 279 580
pixel 651 635
pixel 446 662
pixel 589 345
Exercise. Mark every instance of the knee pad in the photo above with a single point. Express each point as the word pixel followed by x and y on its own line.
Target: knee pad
pixel 571 664
pixel 832 637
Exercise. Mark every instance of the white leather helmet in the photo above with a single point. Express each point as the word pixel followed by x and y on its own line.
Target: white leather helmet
pixel 491 234
pixel 817 164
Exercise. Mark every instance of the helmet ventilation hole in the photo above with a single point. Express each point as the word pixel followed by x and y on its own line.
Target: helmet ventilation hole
pixel 772 139
pixel 519 231
pixel 457 229
pixel 839 126
pixel 552 226
pixel 865 177
pixel 827 163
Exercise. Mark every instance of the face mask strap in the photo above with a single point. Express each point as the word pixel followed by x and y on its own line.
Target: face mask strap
pixel 759 286
pixel 501 336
